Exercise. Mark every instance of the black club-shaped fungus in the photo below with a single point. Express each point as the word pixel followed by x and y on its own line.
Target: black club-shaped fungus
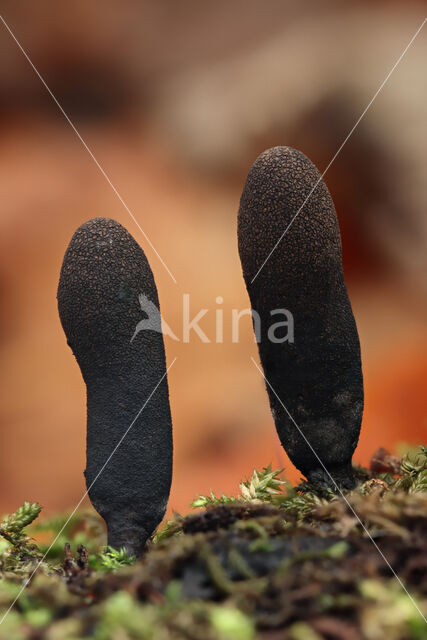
pixel 103 273
pixel 318 376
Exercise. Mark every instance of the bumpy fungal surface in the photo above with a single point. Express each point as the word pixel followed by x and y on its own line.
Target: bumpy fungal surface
pixel 102 276
pixel 318 376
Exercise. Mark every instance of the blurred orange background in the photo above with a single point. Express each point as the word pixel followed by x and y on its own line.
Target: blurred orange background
pixel 176 100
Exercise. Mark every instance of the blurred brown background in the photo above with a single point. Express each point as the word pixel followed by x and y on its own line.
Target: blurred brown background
pixel 176 99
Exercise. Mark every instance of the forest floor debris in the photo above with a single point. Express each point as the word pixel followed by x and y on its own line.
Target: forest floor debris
pixel 274 562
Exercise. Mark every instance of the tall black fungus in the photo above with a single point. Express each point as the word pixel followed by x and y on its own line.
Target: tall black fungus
pixel 318 376
pixel 103 274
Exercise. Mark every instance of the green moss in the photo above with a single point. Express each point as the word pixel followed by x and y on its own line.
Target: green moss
pixel 111 560
pixel 273 557
pixel 12 526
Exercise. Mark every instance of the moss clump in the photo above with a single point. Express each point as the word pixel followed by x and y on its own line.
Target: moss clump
pixel 273 561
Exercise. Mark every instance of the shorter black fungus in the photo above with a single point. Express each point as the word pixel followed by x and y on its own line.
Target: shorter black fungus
pixel 129 428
